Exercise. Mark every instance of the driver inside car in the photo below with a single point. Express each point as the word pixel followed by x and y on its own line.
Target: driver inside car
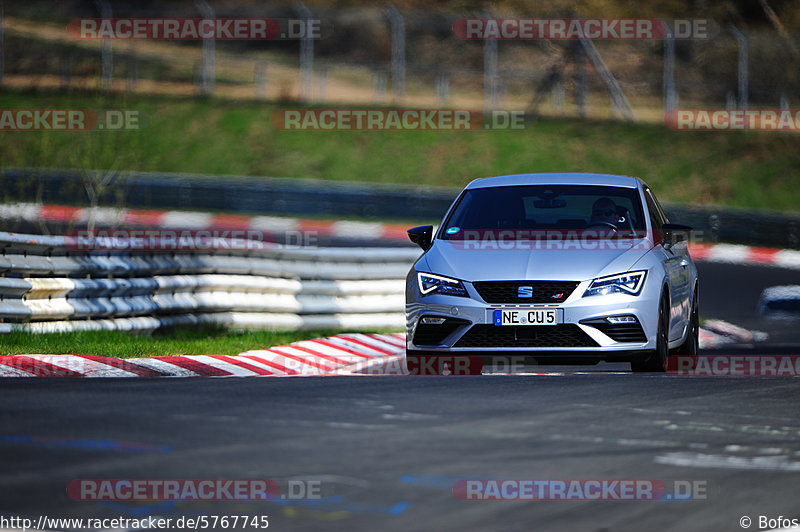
pixel 604 210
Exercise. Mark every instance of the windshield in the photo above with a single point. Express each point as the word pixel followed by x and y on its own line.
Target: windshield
pixel 524 210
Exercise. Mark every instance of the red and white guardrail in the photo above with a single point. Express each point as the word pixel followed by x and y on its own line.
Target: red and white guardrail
pixel 192 220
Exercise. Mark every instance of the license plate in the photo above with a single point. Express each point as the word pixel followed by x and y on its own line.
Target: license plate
pixel 526 316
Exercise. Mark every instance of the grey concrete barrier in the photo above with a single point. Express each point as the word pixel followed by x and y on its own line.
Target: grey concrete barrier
pixel 46 285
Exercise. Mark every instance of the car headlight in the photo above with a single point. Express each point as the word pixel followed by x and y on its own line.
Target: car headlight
pixel 436 284
pixel 624 283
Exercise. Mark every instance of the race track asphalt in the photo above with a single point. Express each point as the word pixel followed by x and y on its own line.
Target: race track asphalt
pixel 387 451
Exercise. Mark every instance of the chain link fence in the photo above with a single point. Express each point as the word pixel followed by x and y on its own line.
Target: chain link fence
pixel 388 56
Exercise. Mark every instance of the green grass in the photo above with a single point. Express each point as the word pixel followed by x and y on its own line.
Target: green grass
pixel 211 136
pixel 183 341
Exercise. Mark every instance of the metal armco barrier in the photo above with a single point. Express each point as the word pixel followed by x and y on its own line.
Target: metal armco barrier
pixel 295 196
pixel 240 194
pixel 48 285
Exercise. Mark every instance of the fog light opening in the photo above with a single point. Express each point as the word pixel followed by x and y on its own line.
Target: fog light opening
pixel 431 320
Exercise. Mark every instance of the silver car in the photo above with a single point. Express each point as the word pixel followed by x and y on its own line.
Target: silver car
pixel 562 268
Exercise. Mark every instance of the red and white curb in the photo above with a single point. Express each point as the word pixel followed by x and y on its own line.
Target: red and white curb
pixel 193 220
pixel 342 354
pixel 718 333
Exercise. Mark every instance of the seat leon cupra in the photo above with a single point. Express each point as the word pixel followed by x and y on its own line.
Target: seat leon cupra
pixel 554 268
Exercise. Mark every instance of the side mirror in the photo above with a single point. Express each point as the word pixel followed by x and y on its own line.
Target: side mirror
pixel 674 233
pixel 421 236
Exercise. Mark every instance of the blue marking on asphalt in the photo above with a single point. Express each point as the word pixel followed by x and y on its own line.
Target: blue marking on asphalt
pixel 439 482
pixel 86 444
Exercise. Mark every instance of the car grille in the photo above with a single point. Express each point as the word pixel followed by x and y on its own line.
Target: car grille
pixel 429 334
pixel 622 332
pixel 541 291
pixel 563 335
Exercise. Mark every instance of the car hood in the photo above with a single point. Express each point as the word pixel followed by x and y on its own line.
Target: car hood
pixel 450 258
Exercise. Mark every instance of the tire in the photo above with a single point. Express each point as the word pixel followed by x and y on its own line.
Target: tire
pixel 656 361
pixel 433 363
pixel 418 362
pixel 413 358
pixel 691 346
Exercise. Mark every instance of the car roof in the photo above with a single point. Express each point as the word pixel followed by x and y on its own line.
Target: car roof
pixel 556 179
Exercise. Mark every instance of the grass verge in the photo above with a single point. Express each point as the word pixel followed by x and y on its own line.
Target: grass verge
pixel 184 341
pixel 214 136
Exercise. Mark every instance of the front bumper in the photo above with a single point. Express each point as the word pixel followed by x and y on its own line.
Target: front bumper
pixel 580 333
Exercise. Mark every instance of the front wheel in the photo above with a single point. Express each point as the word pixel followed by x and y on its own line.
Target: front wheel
pixel 656 361
pixel 433 363
pixel 691 346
